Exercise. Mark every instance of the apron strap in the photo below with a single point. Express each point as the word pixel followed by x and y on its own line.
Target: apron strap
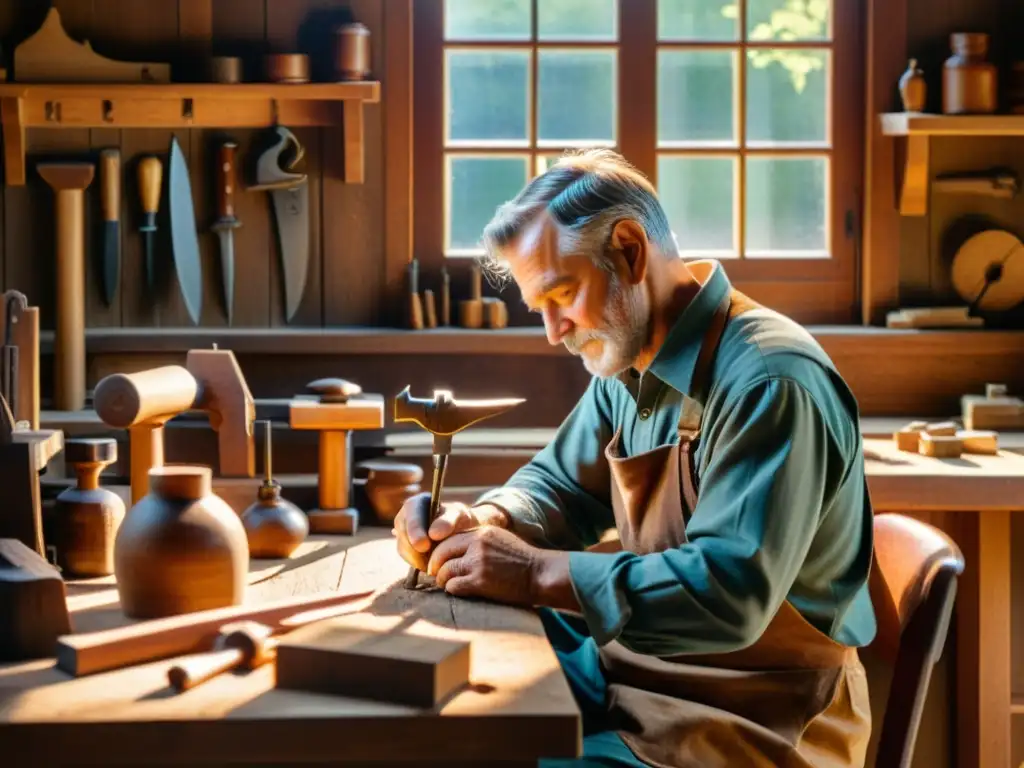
pixel 732 304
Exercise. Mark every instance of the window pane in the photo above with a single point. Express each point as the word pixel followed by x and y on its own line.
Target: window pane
pixel 491 20
pixel 787 206
pixel 698 194
pixel 788 19
pixel 695 96
pixel 577 19
pixel 576 97
pixel 698 19
pixel 787 95
pixel 488 96
pixel 476 187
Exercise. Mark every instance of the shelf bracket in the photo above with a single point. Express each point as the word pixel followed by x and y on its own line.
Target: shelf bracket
pixel 354 145
pixel 913 181
pixel 12 120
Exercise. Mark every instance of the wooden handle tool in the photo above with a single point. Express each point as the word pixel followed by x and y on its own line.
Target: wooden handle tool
pixel 151 172
pixel 110 199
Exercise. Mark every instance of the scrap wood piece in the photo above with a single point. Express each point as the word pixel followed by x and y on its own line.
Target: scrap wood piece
pixel 25 337
pixel 33 606
pixel 49 55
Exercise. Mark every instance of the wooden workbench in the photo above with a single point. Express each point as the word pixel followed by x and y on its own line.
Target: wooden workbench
pixel 518 709
pixel 971 498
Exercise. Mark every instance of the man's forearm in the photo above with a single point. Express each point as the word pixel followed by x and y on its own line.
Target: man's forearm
pixel 552 584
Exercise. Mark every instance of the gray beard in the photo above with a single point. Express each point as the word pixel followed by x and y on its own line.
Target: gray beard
pixel 626 327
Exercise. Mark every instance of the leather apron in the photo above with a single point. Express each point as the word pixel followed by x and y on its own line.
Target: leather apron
pixel 794 698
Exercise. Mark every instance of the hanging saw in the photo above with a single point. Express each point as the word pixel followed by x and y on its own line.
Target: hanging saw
pixel 289 195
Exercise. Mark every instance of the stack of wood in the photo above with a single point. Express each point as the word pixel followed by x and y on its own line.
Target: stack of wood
pixel 944 440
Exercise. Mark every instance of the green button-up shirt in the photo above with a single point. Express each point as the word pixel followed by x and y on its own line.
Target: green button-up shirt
pixel 783 512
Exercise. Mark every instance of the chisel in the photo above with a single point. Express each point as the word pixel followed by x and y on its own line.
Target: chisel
pixel 227 222
pixel 150 180
pixel 110 179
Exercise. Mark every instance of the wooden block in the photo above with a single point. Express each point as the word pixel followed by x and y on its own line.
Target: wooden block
pixel 33 604
pixel 349 657
pixel 941 429
pixel 981 441
pixel 363 412
pixel 996 412
pixel 907 439
pixel 940 446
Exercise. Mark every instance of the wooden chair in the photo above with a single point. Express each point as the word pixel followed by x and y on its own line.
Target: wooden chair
pixel 920 566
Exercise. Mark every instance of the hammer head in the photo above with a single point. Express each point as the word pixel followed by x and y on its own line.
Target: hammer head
pixel 443 415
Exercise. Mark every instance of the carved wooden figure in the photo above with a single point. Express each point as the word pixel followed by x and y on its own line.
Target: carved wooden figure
pixel 339 408
pixel 273 525
pixel 69 181
pixel 143 402
pixel 33 604
pixel 181 548
pixel 23 455
pixel 86 516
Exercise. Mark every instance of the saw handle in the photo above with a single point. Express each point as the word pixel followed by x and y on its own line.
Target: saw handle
pixel 151 174
pixel 227 180
pixel 110 176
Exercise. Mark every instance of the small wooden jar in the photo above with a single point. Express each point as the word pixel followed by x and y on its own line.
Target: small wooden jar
pixel 287 67
pixel 388 484
pixel 970 83
pixel 225 69
pixel 352 52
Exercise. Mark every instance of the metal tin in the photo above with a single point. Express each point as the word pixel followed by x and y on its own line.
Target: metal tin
pixel 352 52
pixel 287 67
pixel 225 69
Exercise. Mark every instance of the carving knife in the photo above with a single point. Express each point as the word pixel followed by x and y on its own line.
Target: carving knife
pixel 184 236
pixel 151 173
pixel 227 222
pixel 110 175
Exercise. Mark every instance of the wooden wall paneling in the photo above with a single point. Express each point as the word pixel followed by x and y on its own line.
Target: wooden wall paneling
pixel 353 249
pixel 195 38
pixel 886 60
pixel 397 82
pixel 240 29
pixel 428 106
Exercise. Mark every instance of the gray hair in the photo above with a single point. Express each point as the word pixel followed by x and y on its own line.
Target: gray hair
pixel 586 193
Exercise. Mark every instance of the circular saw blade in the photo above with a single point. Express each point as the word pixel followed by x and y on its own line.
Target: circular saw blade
pixel 993 258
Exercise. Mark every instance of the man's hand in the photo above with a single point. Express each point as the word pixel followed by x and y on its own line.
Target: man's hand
pixel 415 540
pixel 496 564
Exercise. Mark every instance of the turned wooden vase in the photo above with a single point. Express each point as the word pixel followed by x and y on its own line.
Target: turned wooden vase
pixel 86 516
pixel 970 82
pixel 181 548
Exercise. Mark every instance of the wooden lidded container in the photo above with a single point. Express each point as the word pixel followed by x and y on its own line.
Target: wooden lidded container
pixel 180 548
pixel 970 83
pixel 352 52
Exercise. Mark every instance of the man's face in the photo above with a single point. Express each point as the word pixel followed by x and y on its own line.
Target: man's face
pixel 598 316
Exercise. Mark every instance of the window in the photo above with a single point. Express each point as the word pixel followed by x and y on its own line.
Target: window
pixel 744 113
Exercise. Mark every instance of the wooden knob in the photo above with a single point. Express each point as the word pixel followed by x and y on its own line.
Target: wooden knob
pixel 90 450
pixel 387 471
pixel 334 390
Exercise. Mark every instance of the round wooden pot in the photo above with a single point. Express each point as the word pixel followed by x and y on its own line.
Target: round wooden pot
pixel 389 484
pixel 180 548
pixel 970 83
pixel 273 525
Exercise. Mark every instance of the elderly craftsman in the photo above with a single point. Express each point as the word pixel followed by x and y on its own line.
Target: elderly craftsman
pixel 719 441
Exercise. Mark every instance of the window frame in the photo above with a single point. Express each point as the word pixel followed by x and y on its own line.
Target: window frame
pixel 819 291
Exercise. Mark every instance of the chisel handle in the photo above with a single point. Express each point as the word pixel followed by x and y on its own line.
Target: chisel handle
pixel 227 181
pixel 151 172
pixel 110 176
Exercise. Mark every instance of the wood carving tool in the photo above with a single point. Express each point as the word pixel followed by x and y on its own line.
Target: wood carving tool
pixel 24 323
pixel 246 645
pixel 289 195
pixel 415 303
pixel 184 237
pixel 444 416
pixel 471 310
pixel 110 179
pixel 91 652
pixel 446 297
pixel 997 182
pixel 150 172
pixel 69 181
pixel 227 222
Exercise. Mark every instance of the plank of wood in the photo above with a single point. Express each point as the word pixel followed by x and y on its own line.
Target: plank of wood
pixel 242 718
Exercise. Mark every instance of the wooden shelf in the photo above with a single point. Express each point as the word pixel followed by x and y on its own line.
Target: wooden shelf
pixel 918 128
pixel 183 105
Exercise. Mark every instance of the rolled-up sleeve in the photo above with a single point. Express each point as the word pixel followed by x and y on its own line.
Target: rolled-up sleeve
pixel 561 497
pixel 770 462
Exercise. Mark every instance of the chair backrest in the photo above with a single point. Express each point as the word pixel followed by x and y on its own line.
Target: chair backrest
pixel 919 567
